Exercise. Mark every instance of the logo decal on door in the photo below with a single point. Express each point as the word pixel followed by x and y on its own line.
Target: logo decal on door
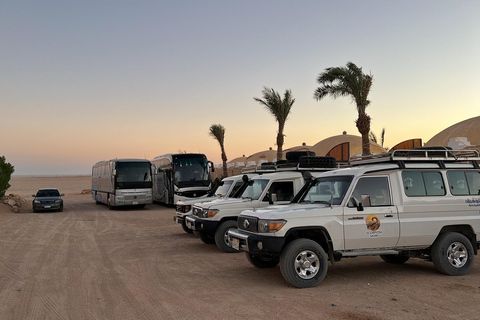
pixel 373 223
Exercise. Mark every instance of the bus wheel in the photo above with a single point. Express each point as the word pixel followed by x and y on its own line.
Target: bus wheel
pixel 207 238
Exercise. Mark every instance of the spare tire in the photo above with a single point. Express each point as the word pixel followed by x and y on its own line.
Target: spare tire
pixel 294 156
pixel 317 162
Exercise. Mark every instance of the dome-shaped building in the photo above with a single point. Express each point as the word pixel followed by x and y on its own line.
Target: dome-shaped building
pixel 355 143
pixel 462 135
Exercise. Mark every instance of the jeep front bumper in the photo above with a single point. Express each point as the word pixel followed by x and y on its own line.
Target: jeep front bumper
pixel 197 224
pixel 255 243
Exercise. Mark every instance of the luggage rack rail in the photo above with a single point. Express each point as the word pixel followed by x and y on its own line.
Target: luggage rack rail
pixel 419 155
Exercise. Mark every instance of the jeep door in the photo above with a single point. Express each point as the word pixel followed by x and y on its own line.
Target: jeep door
pixel 370 218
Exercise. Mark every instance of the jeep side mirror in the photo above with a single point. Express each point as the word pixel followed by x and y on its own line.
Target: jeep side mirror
pixel 366 200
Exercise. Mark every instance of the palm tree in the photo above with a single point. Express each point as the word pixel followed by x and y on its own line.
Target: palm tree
pixel 349 81
pixel 280 109
pixel 217 131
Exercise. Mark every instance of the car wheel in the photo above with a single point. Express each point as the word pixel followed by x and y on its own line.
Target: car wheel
pixel 206 237
pixel 61 209
pixel 221 236
pixel 185 228
pixel 303 263
pixel 452 254
pixel 395 259
pixel 263 261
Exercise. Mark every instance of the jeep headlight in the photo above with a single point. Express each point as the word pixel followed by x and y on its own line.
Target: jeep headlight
pixel 267 226
pixel 183 208
pixel 208 213
pixel 58 201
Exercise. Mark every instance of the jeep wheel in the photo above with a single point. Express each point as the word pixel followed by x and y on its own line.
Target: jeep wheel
pixel 452 254
pixel 263 261
pixel 206 237
pixel 303 263
pixel 221 236
pixel 185 228
pixel 395 259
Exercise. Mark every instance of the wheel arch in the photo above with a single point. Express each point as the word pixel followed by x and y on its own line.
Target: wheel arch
pixel 464 229
pixel 317 234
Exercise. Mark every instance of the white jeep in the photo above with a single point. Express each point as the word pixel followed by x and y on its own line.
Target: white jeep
pixel 408 203
pixel 212 220
pixel 227 188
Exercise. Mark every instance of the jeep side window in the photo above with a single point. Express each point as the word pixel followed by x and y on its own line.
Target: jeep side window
pixel 426 183
pixel 434 183
pixel 283 190
pixel 376 188
pixel 413 184
pixel 464 183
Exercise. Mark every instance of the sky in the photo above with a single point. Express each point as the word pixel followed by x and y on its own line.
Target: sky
pixel 85 81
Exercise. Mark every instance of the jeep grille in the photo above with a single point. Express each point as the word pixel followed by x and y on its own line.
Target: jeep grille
pixel 247 223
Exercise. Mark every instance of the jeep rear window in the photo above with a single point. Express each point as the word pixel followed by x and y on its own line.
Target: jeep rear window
pixel 464 183
pixel 427 183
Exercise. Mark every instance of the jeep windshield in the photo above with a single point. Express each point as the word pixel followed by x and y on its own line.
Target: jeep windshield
pixel 254 189
pixel 324 190
pixel 223 188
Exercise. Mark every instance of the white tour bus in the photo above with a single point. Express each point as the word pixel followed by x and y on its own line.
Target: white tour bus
pixel 181 176
pixel 122 182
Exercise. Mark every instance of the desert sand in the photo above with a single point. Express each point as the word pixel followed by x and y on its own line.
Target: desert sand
pixel 89 262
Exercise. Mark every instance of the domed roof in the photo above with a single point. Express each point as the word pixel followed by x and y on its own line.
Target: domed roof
pixel 465 134
pixel 263 156
pixel 324 146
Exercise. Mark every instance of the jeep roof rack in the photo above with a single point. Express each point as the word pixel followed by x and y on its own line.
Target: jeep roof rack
pixel 439 155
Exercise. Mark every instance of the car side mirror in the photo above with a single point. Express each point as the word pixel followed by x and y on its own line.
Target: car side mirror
pixel 33 195
pixel 366 200
pixel 63 194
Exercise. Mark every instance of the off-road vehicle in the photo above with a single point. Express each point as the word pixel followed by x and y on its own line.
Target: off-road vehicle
pixel 212 220
pixel 227 188
pixel 401 205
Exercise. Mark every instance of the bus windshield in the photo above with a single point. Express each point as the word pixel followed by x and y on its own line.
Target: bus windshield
pixel 133 175
pixel 191 171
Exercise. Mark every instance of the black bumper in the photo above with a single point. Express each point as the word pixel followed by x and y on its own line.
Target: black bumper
pixel 249 242
pixel 205 225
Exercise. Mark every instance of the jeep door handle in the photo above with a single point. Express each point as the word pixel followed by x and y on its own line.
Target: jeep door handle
pixel 355 218
pixel 389 216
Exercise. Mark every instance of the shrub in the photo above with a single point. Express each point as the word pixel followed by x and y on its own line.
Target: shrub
pixel 6 170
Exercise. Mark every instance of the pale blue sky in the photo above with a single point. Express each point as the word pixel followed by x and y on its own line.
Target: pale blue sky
pixel 83 81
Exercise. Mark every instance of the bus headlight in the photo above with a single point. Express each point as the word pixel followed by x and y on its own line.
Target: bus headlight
pixel 268 226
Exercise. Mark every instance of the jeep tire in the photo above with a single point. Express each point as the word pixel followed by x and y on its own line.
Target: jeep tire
pixel 263 261
pixel 452 254
pixel 185 228
pixel 221 235
pixel 303 263
pixel 206 237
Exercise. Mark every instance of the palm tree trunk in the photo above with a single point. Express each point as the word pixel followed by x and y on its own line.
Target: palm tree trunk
pixel 224 162
pixel 363 126
pixel 280 140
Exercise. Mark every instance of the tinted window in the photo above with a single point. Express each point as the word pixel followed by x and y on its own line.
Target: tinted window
pixel 413 184
pixel 283 190
pixel 423 184
pixel 464 182
pixel 375 187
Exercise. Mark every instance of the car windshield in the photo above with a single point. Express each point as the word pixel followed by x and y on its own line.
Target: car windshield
pixel 327 189
pixel 254 189
pixel 223 188
pixel 48 193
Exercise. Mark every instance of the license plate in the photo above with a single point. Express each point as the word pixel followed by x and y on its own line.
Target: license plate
pixel 235 244
pixel 135 202
pixel 47 207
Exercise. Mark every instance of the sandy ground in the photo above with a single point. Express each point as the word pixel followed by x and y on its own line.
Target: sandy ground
pixel 92 263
